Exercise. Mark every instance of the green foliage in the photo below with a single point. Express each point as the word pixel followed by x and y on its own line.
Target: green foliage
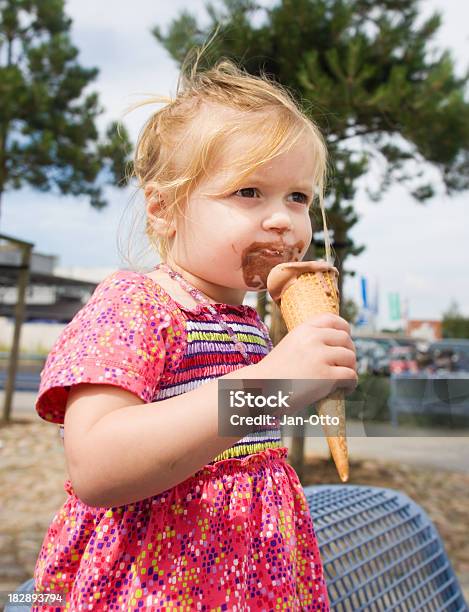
pixel 48 136
pixel 369 401
pixel 350 311
pixel 455 327
pixel 454 324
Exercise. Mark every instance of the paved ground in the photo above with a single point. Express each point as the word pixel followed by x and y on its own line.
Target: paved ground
pixel 425 447
pixel 419 447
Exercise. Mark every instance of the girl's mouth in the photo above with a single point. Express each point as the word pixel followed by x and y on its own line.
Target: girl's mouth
pixel 271 253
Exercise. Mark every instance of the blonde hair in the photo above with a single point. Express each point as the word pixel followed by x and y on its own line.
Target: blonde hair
pixel 179 146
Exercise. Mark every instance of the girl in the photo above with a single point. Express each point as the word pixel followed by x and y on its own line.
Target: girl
pixel 162 512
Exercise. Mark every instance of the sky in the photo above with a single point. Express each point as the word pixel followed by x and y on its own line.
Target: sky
pixel 418 251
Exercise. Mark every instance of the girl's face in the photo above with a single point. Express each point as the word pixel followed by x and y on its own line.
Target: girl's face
pixel 231 243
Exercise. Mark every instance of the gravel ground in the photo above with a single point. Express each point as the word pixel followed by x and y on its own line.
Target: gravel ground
pixel 32 473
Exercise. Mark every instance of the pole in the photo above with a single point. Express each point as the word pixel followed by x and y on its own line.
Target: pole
pixel 20 308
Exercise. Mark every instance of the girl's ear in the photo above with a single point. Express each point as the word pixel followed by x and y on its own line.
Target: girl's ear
pixel 162 227
pixel 154 202
pixel 154 205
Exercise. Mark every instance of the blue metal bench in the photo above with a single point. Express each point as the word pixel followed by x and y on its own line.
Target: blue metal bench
pixel 380 552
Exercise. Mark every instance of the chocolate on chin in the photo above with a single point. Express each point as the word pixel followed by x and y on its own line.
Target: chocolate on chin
pixel 259 257
pixel 301 290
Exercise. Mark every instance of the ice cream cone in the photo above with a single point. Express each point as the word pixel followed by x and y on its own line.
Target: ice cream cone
pixel 302 289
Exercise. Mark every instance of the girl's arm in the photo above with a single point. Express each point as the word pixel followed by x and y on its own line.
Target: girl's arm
pixel 119 452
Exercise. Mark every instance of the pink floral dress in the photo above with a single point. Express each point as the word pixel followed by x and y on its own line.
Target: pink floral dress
pixel 235 536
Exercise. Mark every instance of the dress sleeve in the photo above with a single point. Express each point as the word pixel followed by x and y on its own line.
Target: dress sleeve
pixel 118 338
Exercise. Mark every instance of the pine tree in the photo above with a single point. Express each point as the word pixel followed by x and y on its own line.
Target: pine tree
pixel 455 324
pixel 48 135
pixel 363 70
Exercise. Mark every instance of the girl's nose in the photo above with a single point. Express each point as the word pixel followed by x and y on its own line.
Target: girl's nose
pixel 277 220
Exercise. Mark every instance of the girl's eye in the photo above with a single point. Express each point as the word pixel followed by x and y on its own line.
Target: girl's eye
pixel 304 197
pixel 249 189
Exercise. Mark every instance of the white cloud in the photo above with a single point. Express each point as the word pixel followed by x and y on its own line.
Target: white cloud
pixel 124 17
pixel 417 250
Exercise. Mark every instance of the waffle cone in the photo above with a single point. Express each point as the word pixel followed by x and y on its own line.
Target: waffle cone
pixel 310 295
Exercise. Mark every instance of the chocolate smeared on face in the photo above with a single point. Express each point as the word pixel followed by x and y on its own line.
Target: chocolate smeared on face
pixel 259 258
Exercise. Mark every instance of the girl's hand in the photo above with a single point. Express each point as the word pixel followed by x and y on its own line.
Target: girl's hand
pixel 320 351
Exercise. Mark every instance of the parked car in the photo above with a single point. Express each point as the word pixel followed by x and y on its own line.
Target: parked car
pixel 450 354
pixel 402 358
pixel 373 354
pixel 406 341
pixel 365 350
pixel 380 365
